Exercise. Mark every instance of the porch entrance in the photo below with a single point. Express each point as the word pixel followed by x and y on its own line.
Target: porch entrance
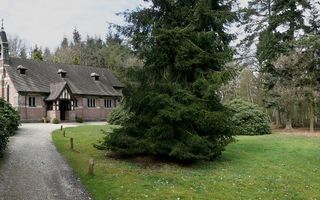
pixel 60 102
pixel 65 106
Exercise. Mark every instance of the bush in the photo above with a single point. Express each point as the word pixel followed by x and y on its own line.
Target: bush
pixel 9 122
pixel 119 116
pixel 249 118
pixel 44 119
pixel 79 119
pixel 55 121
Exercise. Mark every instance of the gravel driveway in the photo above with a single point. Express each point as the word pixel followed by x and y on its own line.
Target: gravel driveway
pixel 34 170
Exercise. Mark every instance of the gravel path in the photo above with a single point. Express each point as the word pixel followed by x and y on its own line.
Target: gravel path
pixel 34 170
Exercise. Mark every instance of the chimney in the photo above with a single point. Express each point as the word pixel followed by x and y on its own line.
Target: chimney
pixel 95 76
pixel 22 69
pixel 62 73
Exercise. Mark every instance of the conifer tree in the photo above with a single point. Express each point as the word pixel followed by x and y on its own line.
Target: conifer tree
pixel 76 37
pixel 276 24
pixel 36 54
pixel 176 110
pixel 64 43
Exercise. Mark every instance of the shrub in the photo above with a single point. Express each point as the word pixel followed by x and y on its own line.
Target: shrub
pixel 119 116
pixel 44 119
pixel 9 122
pixel 249 118
pixel 55 121
pixel 79 119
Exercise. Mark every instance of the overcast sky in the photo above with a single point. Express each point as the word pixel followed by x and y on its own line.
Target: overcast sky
pixel 45 22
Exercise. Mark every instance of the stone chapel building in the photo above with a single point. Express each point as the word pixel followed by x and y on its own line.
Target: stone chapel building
pixel 38 89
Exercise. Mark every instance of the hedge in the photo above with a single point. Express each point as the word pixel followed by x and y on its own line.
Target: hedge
pixel 9 122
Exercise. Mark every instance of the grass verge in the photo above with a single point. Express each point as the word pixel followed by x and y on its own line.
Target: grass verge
pixel 258 167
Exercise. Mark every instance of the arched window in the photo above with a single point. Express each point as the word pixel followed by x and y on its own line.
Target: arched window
pixel 8 93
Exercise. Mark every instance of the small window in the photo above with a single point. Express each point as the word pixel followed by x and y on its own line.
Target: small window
pixel 22 71
pixel 108 103
pixel 76 103
pixel 65 94
pixel 32 101
pixel 91 103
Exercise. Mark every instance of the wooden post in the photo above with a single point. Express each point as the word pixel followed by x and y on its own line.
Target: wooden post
pixel 71 143
pixel 91 167
pixel 61 127
pixel 64 133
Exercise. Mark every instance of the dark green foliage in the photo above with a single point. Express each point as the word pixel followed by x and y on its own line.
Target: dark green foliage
pixel 55 121
pixel 79 119
pixel 249 118
pixel 181 127
pixel 176 110
pixel 36 54
pixel 119 116
pixel 9 122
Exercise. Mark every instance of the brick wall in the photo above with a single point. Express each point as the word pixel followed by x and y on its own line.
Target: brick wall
pixel 6 83
pixel 29 113
pixel 98 113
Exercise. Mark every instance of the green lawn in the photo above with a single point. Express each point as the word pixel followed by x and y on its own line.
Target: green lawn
pixel 260 167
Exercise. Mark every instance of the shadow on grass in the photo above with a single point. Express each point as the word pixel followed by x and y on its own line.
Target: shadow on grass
pixel 153 162
pixel 3 157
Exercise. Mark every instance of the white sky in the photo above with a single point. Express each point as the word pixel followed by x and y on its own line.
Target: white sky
pixel 45 22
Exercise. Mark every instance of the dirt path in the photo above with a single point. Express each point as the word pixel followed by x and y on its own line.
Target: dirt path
pixel 34 170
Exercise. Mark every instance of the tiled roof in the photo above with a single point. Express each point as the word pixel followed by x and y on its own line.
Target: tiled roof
pixel 40 75
pixel 55 90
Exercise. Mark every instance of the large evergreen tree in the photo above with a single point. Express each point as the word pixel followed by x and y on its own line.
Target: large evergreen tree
pixel 176 110
pixel 285 24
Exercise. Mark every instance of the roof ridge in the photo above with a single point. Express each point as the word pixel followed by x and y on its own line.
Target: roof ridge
pixel 50 62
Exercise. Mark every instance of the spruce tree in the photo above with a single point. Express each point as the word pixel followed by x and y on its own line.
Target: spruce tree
pixel 173 99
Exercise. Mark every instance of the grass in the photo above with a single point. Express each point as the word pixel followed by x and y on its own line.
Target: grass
pixel 261 167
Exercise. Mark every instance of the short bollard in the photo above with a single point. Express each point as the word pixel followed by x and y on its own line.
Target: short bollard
pixel 71 143
pixel 64 133
pixel 91 167
pixel 61 127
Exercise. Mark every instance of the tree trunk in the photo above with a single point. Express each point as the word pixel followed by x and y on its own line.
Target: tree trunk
pixel 277 117
pixel 311 117
pixel 288 121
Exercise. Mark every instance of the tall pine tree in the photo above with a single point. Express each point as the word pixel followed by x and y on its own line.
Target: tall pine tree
pixel 176 110
pixel 286 22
